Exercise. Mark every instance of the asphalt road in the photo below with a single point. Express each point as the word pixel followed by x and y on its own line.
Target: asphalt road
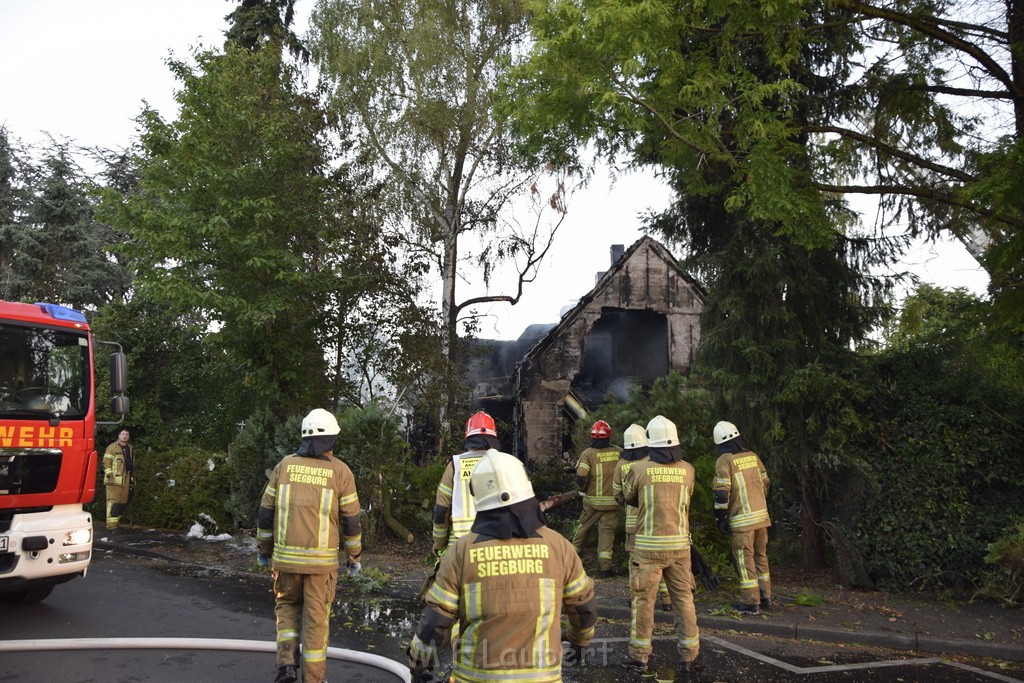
pixel 128 597
pixel 728 659
pixel 125 597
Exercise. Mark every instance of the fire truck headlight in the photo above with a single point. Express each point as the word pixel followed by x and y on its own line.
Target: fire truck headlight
pixel 77 537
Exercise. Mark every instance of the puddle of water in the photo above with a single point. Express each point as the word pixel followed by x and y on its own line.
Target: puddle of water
pixel 388 616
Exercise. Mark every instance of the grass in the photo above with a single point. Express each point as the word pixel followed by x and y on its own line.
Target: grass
pixel 808 598
pixel 368 580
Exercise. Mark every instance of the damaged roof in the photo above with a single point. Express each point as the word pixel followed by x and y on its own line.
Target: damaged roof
pixel 604 282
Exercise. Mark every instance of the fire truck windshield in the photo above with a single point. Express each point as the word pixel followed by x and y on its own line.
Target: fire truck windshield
pixel 44 372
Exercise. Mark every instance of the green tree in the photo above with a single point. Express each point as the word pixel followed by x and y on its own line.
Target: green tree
pixel 715 94
pixel 177 376
pixel 57 250
pixel 10 206
pixel 255 23
pixel 420 79
pixel 916 103
pixel 243 216
pixel 779 339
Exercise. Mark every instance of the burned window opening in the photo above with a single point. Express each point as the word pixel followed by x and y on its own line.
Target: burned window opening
pixel 624 349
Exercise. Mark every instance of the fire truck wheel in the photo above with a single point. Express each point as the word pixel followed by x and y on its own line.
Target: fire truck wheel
pixel 27 596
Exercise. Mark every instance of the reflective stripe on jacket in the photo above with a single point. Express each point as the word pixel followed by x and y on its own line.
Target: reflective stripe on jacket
pixel 621 468
pixel 454 493
pixel 598 466
pixel 661 493
pixel 741 487
pixel 115 464
pixel 311 498
pixel 508 596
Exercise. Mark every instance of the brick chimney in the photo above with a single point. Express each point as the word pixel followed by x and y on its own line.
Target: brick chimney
pixel 617 251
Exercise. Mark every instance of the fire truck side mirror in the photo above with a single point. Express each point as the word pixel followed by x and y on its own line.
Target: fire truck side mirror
pixel 119 405
pixel 119 377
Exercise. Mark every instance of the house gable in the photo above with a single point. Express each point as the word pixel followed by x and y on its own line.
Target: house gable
pixel 639 322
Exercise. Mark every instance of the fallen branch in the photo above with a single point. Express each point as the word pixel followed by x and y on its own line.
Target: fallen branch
pixel 393 523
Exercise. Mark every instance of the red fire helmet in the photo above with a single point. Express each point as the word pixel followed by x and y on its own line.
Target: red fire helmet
pixel 480 423
pixel 600 430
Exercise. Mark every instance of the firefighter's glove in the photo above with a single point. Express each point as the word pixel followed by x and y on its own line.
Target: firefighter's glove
pixel 703 571
pixel 709 579
pixel 353 567
pixel 722 519
pixel 422 676
pixel 264 560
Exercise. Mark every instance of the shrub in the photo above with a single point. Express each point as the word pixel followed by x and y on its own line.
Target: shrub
pixel 177 487
pixel 260 445
pixel 1006 580
pixel 371 442
pixel 946 478
pixel 944 447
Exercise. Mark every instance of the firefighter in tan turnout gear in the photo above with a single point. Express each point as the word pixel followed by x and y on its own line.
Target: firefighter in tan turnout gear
pixel 595 475
pixel 741 508
pixel 660 488
pixel 309 511
pixel 634 448
pixel 454 509
pixel 118 477
pixel 505 584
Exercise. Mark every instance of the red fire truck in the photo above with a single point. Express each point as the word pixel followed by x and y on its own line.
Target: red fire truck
pixel 48 455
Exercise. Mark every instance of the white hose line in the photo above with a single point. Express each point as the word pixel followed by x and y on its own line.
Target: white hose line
pixel 366 658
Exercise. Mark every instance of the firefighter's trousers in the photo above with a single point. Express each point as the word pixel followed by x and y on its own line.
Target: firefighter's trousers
pixel 750 550
pixel 117 503
pixel 303 609
pixel 648 570
pixel 606 521
pixel 662 588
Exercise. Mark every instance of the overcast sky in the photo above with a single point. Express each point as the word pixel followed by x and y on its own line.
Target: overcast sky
pixel 80 70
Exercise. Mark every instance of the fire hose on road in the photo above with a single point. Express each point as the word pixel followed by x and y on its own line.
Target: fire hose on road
pixel 364 658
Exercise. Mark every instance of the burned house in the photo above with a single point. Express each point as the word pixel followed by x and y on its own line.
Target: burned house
pixel 639 322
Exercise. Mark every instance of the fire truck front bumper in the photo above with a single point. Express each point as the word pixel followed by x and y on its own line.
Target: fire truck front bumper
pixel 45 547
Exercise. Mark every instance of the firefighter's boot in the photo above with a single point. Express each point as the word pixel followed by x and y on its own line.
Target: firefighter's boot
pixel 286 674
pixel 747 608
pixel 687 669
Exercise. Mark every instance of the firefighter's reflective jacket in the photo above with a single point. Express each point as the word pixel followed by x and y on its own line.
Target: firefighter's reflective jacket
pixel 621 469
pixel 661 493
pixel 741 488
pixel 309 505
pixel 454 500
pixel 117 464
pixel 508 596
pixel 597 466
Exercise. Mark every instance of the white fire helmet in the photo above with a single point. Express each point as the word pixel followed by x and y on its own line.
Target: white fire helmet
pixel 499 480
pixel 635 436
pixel 320 422
pixel 661 432
pixel 725 431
